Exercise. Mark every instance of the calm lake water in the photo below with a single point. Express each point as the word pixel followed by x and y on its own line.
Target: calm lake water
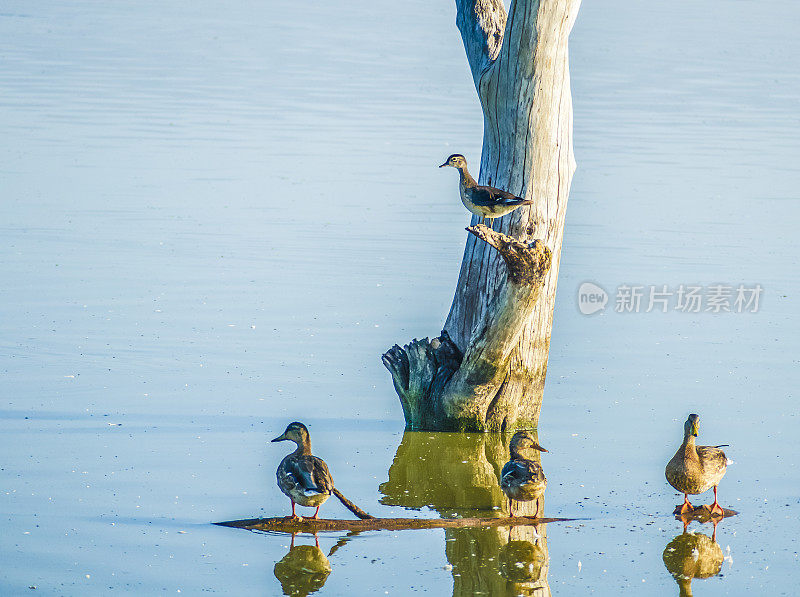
pixel 215 218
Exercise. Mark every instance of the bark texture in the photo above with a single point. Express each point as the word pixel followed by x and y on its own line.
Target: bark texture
pixel 486 371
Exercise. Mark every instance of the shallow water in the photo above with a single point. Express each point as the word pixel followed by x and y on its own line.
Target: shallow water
pixel 204 238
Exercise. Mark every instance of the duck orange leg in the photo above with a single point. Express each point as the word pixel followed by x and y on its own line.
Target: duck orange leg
pixel 316 512
pixel 685 520
pixel 294 515
pixel 510 508
pixel 686 507
pixel 715 507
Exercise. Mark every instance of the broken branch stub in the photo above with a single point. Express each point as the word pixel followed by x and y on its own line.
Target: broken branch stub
pixel 527 263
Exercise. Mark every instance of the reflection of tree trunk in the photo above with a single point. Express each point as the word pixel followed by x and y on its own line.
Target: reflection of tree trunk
pixel 520 68
pixel 451 473
pixel 458 475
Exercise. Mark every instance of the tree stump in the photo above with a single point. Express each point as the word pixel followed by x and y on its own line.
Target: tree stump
pixel 439 388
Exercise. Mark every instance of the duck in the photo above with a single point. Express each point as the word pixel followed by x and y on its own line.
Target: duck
pixel 302 477
pixel 522 479
pixel 483 201
pixel 695 469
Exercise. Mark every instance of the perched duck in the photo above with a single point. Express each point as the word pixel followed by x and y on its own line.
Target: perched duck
pixel 304 478
pixel 695 469
pixel 486 202
pixel 522 479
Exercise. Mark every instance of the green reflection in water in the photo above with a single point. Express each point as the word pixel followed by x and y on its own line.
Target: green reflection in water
pixel 303 570
pixel 692 555
pixel 524 565
pixel 457 474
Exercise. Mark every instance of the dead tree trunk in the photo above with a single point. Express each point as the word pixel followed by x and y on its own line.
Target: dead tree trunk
pixel 486 371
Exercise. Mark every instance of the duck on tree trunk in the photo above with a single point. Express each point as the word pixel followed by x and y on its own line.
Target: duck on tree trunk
pixel 486 371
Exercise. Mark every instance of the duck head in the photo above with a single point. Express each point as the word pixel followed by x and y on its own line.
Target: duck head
pixel 295 432
pixel 456 161
pixel 522 441
pixel 692 426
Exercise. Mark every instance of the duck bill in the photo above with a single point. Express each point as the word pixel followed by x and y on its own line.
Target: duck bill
pixel 280 438
pixel 695 430
pixel 443 165
pixel 538 447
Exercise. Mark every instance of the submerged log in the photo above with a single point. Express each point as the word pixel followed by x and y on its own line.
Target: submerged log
pixel 702 514
pixel 287 524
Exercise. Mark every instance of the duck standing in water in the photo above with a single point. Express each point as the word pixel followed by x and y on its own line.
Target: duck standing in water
pixel 695 469
pixel 304 478
pixel 522 479
pixel 483 201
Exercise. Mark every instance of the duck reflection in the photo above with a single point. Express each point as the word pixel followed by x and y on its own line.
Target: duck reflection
pixel 524 564
pixel 303 570
pixel 692 555
pixel 458 474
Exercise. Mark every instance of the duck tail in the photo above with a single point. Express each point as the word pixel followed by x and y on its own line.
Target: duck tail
pixel 350 505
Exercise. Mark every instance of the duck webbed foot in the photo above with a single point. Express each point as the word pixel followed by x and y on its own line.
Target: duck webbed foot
pixel 685 507
pixel 715 509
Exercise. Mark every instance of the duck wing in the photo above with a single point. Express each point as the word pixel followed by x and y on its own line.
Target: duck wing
pixel 520 472
pixel 308 473
pixel 712 458
pixel 489 196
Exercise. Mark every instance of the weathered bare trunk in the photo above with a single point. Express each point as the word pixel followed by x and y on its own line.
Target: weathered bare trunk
pixel 486 371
